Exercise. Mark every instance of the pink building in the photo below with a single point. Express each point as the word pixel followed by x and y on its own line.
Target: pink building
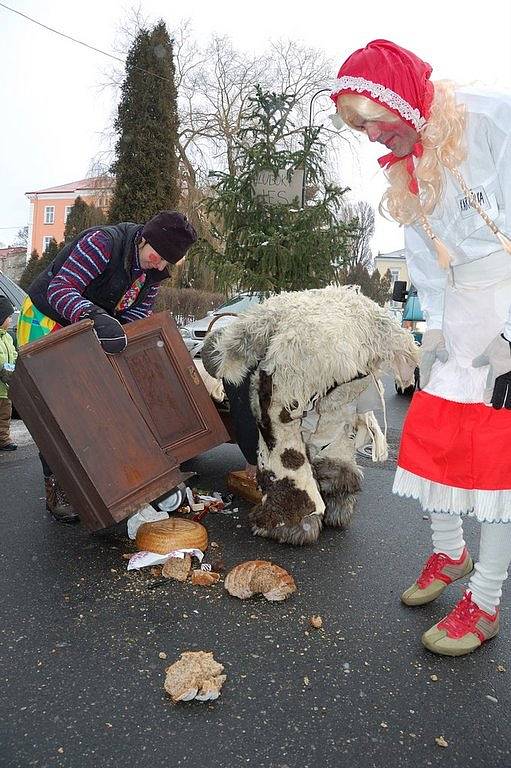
pixel 49 208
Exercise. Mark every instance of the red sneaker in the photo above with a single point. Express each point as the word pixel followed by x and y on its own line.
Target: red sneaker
pixel 463 630
pixel 440 571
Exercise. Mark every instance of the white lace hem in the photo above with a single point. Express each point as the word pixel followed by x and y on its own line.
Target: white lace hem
pixel 385 95
pixel 485 506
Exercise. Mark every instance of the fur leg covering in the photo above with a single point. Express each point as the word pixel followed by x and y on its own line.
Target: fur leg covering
pixel 291 509
pixel 340 484
pixel 332 449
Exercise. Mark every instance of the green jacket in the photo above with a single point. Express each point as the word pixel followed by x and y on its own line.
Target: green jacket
pixel 8 354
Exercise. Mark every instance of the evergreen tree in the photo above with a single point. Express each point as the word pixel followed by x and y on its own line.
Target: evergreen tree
pixel 275 247
pixel 36 265
pixel 375 286
pixel 146 160
pixel 82 216
pixel 49 254
pixel 30 271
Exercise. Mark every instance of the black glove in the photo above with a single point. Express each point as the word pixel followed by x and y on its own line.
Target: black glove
pixel 497 356
pixel 109 331
pixel 501 397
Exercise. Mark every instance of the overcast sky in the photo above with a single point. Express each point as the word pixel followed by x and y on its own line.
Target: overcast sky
pixel 54 111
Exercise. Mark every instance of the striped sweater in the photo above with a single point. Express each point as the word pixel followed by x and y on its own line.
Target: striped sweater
pixel 88 260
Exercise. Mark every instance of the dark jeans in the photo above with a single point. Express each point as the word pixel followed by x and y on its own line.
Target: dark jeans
pixel 243 420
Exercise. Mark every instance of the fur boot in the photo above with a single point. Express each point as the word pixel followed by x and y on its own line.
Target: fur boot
pixel 331 447
pixel 291 508
pixel 339 483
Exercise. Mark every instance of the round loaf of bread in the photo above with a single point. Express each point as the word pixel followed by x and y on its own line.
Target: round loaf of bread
pixel 165 536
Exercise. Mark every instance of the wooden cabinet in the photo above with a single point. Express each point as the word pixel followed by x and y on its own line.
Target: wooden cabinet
pixel 158 372
pixel 115 428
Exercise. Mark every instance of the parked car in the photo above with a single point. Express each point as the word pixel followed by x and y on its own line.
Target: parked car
pixel 413 319
pixel 194 333
pixel 17 296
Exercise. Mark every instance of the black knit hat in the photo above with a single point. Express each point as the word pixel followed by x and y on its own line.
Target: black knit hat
pixel 6 309
pixel 171 234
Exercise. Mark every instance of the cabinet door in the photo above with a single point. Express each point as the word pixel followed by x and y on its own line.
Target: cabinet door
pixel 160 376
pixel 86 425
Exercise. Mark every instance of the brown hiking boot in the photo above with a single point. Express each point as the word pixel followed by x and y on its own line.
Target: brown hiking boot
pixel 57 502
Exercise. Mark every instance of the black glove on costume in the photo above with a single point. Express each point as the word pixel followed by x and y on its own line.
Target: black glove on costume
pixel 497 356
pixel 501 397
pixel 109 331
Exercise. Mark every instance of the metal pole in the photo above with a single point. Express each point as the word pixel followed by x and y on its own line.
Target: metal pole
pixel 323 90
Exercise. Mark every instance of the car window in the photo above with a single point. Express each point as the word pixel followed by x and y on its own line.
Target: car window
pixel 240 303
pixel 13 292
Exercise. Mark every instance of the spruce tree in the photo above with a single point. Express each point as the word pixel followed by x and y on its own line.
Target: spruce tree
pixel 49 254
pixel 275 247
pixel 375 286
pixel 82 216
pixel 36 264
pixel 145 167
pixel 30 271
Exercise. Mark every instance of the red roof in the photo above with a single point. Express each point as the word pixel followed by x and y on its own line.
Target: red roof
pixel 12 250
pixel 95 182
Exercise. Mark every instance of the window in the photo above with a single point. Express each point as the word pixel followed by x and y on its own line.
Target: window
pixel 67 211
pixel 49 214
pixel 46 241
pixel 394 275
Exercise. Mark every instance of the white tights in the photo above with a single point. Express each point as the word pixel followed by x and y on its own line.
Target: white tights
pixel 491 569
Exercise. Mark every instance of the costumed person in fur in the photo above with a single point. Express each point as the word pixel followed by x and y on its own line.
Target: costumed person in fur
pixel 303 364
pixel 449 173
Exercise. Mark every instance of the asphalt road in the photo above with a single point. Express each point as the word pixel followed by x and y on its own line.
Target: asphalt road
pixel 82 677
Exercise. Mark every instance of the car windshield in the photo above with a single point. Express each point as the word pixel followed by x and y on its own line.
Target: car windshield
pixel 13 292
pixel 240 303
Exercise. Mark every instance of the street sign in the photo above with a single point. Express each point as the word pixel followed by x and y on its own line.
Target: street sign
pixel 279 189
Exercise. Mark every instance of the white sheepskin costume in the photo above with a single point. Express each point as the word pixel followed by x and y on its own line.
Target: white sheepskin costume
pixel 323 345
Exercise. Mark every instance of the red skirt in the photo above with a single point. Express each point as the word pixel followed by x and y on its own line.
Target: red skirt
pixel 463 445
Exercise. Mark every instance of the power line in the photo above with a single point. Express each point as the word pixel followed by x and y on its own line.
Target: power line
pixel 80 42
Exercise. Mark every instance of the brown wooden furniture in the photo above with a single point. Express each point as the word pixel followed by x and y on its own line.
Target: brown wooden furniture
pixel 158 372
pixel 239 483
pixel 115 428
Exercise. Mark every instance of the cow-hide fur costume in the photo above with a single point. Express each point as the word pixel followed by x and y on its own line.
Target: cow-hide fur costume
pixel 326 344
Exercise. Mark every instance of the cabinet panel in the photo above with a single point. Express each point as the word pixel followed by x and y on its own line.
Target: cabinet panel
pixel 161 377
pixel 115 428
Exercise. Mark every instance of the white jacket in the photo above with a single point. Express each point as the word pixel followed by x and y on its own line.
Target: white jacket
pixel 478 258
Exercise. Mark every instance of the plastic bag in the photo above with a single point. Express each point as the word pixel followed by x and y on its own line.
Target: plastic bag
pixel 145 515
